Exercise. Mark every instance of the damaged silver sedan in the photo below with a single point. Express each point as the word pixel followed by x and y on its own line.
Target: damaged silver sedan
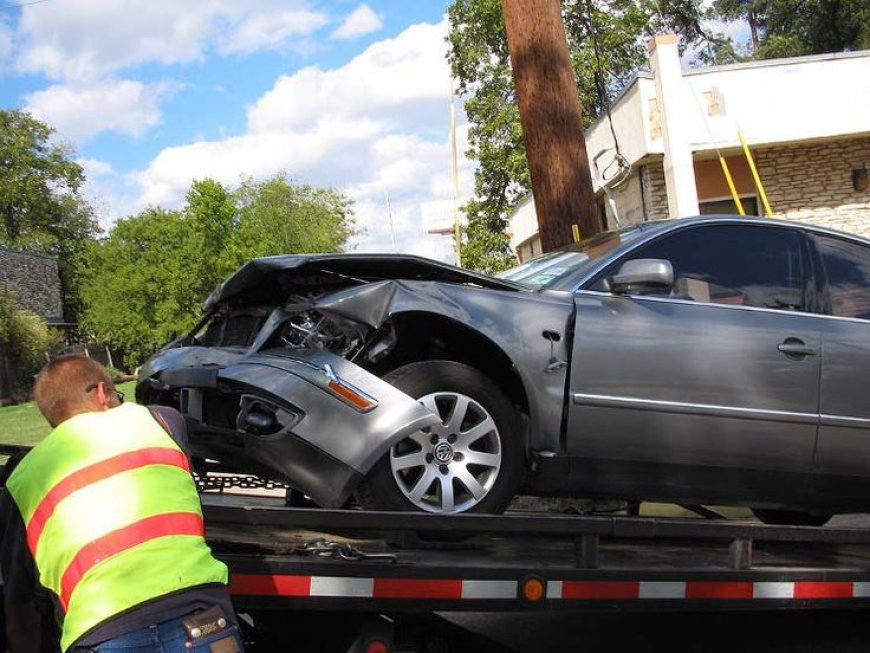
pixel 715 360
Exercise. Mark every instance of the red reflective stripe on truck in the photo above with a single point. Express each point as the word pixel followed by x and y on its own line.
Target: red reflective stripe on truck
pixel 823 590
pixel 270 585
pixel 417 588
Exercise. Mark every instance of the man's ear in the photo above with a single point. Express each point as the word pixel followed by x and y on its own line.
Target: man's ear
pixel 102 396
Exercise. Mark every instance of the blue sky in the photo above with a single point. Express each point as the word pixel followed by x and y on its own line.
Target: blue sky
pixel 152 94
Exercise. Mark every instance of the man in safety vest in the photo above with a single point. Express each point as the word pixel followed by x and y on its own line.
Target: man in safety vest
pixel 105 515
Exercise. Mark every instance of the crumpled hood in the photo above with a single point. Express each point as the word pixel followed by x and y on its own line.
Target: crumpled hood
pixel 264 279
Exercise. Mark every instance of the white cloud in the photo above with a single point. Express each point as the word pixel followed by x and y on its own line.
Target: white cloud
pixel 263 31
pixel 106 191
pixel 5 41
pixel 363 20
pixel 85 40
pixel 259 155
pixel 78 112
pixel 405 71
pixel 95 168
pixel 365 128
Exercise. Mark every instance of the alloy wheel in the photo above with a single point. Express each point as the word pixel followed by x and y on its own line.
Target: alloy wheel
pixel 449 467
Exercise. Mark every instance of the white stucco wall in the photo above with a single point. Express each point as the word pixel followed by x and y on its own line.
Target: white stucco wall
pixel 784 100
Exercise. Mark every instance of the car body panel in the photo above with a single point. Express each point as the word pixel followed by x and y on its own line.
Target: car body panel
pixel 265 278
pixel 689 385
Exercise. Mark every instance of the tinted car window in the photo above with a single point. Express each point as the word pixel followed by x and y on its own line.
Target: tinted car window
pixel 739 265
pixel 847 266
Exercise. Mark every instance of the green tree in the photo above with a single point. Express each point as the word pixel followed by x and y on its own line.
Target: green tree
pixel 212 219
pixel 145 283
pixel 607 48
pixel 24 340
pixel 41 207
pixel 785 28
pixel 277 216
pixel 137 285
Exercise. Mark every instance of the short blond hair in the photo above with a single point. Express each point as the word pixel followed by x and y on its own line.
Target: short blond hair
pixel 63 387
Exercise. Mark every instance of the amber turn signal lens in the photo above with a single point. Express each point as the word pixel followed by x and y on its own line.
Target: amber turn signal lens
pixel 351 395
pixel 377 646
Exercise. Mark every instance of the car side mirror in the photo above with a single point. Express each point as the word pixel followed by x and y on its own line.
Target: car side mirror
pixel 642 274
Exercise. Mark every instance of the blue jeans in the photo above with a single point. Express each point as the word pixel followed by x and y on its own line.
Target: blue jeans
pixel 167 637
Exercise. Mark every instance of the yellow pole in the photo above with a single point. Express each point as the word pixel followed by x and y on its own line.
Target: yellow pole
pixel 731 186
pixel 755 176
pixel 575 232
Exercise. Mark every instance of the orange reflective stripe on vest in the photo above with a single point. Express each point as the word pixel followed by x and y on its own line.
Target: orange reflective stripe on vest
pixel 97 472
pixel 178 523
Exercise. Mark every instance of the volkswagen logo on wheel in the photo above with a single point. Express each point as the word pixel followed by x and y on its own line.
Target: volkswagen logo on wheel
pixel 443 452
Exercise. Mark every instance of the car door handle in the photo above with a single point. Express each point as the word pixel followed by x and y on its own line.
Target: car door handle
pixel 796 347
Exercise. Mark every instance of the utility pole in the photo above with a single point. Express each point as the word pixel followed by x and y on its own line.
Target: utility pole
pixel 552 121
pixel 454 170
pixel 390 213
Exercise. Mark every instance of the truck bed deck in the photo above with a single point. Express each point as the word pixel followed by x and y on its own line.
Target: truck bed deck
pixel 291 557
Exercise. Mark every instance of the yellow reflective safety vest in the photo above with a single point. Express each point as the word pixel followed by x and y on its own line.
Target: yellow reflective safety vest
pixel 112 516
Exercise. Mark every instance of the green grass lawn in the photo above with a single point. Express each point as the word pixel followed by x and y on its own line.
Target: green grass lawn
pixel 23 423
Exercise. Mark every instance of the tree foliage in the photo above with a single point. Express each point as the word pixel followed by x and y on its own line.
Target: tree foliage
pixel 787 28
pixel 41 208
pixel 146 281
pixel 24 339
pixel 278 217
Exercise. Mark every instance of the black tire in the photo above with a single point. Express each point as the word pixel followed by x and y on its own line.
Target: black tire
pixel 790 517
pixel 439 383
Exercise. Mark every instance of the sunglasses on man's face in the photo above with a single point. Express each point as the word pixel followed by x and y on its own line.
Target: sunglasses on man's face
pixel 94 386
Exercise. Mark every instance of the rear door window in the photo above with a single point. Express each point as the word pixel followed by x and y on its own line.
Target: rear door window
pixel 847 266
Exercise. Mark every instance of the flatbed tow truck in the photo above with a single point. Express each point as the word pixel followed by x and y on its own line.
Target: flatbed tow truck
pixel 386 573
pixel 407 565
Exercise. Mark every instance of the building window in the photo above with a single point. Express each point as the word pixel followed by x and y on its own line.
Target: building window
pixel 726 206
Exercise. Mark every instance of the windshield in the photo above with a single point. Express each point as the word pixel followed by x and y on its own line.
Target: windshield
pixel 554 267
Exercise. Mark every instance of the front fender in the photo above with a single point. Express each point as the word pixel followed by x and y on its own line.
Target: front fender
pixel 356 438
pixel 319 442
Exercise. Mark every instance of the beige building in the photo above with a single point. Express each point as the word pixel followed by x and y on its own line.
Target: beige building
pixel 805 119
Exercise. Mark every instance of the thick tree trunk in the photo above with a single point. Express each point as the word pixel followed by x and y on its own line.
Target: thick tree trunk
pixel 752 18
pixel 12 231
pixel 552 121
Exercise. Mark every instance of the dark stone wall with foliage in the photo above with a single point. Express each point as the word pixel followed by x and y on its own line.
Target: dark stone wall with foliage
pixel 33 281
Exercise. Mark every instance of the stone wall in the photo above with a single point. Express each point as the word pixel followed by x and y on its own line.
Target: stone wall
pixel 33 281
pixel 655 193
pixel 628 198
pixel 640 198
pixel 813 183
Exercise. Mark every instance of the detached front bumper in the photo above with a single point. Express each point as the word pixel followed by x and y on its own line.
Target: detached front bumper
pixel 310 418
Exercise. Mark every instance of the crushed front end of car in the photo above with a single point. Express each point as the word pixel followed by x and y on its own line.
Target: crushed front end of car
pixel 274 380
pixel 309 418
